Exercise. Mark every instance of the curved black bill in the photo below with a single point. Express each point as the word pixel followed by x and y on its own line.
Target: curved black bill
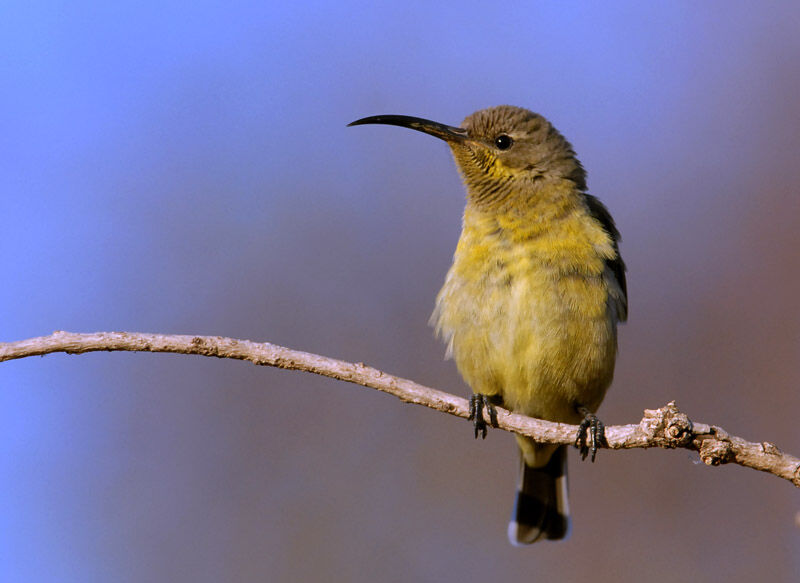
pixel 433 128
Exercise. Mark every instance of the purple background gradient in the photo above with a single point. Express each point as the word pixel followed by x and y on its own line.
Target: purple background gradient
pixel 185 168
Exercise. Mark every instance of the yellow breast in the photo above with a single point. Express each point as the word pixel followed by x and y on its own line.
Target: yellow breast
pixel 525 310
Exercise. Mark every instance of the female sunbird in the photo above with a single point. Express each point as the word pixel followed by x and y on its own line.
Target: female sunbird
pixel 530 307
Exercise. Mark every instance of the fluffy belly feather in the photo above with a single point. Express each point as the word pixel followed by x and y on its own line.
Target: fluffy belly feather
pixel 543 339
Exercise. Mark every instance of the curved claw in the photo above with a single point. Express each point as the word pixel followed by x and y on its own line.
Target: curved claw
pixel 591 434
pixel 477 403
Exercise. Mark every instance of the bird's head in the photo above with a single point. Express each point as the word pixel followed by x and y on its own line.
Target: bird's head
pixel 504 153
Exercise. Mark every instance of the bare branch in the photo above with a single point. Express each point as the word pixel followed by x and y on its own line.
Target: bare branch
pixel 666 427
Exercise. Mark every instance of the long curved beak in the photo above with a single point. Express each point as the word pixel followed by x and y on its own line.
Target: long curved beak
pixel 433 128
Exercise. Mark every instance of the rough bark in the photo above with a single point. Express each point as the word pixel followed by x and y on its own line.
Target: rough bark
pixel 666 427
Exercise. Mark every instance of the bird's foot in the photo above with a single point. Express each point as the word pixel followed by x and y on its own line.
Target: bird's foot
pixel 477 403
pixel 591 434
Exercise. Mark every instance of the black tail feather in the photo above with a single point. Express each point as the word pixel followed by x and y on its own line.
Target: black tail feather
pixel 541 510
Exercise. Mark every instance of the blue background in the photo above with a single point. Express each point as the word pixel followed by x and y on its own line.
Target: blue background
pixel 185 168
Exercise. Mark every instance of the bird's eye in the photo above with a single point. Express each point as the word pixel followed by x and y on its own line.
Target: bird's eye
pixel 503 142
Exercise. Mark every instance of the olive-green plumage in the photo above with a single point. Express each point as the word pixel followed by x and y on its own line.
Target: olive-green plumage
pixel 529 309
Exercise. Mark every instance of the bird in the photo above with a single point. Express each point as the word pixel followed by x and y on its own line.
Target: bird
pixel 530 306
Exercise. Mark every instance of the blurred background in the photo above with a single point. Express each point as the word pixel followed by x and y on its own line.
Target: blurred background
pixel 185 168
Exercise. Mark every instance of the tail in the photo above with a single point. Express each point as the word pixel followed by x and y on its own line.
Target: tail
pixel 541 510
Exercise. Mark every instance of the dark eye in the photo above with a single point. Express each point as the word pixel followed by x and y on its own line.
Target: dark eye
pixel 503 142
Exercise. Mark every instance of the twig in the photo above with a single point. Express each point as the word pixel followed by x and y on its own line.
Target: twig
pixel 666 427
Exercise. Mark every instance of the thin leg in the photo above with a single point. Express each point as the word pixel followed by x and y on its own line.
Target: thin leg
pixel 477 403
pixel 591 434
